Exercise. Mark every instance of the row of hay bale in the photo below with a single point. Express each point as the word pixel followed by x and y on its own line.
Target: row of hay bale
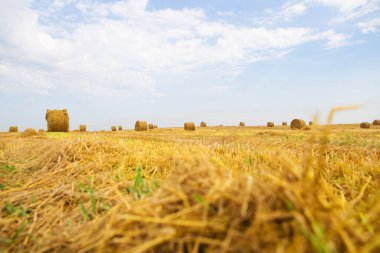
pixel 295 124
pixel 144 126
pixel 58 121
pixel 367 125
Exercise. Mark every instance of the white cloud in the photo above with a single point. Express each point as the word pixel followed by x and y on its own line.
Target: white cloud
pixel 120 48
pixel 336 39
pixel 370 26
pixel 351 9
pixel 287 13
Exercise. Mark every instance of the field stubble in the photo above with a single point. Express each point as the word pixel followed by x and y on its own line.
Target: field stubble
pixel 218 189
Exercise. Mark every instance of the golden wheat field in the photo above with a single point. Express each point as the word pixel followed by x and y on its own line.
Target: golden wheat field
pixel 215 189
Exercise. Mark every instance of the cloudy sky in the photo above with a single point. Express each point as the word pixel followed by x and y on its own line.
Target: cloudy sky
pixel 170 61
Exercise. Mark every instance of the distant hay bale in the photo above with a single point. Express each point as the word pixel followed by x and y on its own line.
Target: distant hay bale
pixel 376 122
pixel 29 132
pixel 270 124
pixel 13 129
pixel 57 120
pixel 203 124
pixel 241 124
pixel 297 124
pixel 365 125
pixel 113 128
pixel 155 126
pixel 311 123
pixel 83 128
pixel 141 126
pixel 284 123
pixel 120 128
pixel 41 130
pixel 150 126
pixel 190 126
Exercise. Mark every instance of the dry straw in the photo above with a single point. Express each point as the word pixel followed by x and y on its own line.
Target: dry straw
pixel 120 128
pixel 306 128
pixel 41 130
pixel 190 126
pixel 311 123
pixel 297 124
pixel 284 123
pixel 365 125
pixel 83 128
pixel 57 120
pixel 141 126
pixel 150 126
pixel 203 124
pixel 13 129
pixel 270 124
pixel 376 122
pixel 73 195
pixel 113 128
pixel 241 124
pixel 155 126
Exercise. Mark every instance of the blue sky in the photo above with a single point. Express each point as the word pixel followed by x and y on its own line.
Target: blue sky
pixel 170 61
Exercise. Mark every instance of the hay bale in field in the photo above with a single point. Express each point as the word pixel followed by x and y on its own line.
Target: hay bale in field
pixel 284 123
pixel 150 126
pixel 203 124
pixel 57 120
pixel 297 124
pixel 13 129
pixel 365 125
pixel 41 130
pixel 83 128
pixel 155 126
pixel 29 132
pixel 270 124
pixel 141 126
pixel 376 122
pixel 113 128
pixel 190 126
pixel 311 123
pixel 241 124
pixel 120 128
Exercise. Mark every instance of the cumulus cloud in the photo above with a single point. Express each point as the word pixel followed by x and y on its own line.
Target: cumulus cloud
pixel 120 48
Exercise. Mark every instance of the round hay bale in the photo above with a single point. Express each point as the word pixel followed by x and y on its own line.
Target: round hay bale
pixel 13 129
pixel 270 124
pixel 284 123
pixel 297 124
pixel 376 122
pixel 150 126
pixel 203 124
pixel 41 130
pixel 190 126
pixel 113 128
pixel 365 125
pixel 57 120
pixel 29 132
pixel 155 126
pixel 83 128
pixel 311 123
pixel 120 128
pixel 241 124
pixel 141 126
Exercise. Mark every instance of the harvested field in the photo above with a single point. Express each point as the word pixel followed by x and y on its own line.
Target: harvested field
pixel 219 188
